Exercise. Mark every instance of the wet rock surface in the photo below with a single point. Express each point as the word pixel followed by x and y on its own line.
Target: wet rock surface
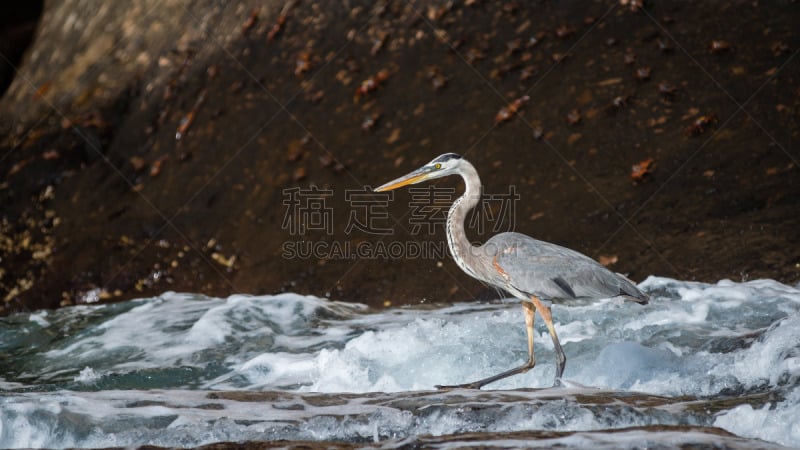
pixel 154 146
pixel 421 419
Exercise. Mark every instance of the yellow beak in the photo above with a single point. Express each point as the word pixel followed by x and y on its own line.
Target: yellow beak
pixel 413 177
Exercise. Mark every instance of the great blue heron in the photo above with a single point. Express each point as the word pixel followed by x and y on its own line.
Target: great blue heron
pixel 533 271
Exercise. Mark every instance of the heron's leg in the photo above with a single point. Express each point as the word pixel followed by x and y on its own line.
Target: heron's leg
pixel 530 313
pixel 561 359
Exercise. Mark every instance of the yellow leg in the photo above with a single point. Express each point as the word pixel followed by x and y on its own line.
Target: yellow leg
pixel 561 359
pixel 530 313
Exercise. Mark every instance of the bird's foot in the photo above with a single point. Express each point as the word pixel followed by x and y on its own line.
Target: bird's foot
pixel 458 386
pixel 557 383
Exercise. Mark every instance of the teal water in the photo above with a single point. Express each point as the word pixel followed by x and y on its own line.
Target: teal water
pixel 162 370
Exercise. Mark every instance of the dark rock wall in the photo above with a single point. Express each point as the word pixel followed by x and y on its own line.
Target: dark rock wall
pixel 17 26
pixel 149 146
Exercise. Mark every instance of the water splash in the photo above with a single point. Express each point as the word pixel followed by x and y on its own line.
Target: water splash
pixel 146 371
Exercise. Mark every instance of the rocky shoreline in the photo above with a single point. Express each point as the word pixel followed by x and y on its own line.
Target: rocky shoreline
pixel 150 146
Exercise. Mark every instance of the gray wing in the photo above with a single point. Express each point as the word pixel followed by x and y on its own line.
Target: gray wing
pixel 554 272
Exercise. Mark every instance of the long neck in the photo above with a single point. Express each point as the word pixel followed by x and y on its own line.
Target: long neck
pixel 464 253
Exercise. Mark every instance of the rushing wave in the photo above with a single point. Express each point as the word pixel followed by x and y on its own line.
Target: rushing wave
pixel 180 369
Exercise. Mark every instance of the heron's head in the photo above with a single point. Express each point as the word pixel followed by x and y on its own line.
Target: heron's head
pixel 441 166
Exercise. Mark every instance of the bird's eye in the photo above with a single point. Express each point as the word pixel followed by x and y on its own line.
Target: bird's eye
pixel 437 166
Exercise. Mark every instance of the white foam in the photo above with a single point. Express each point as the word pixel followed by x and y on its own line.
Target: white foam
pixel 278 369
pixel 192 418
pixel 773 422
pixel 171 329
pixel 626 345
pixel 39 318
pixel 692 339
pixel 87 375
pixel 693 314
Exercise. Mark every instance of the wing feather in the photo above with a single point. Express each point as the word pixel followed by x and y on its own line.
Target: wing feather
pixel 554 272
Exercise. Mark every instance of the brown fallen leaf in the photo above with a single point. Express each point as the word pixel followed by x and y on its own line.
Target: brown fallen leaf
pixel 222 260
pixel 50 155
pixel 573 117
pixel 507 112
pixel 607 260
pixel 394 137
pixel 138 163
pixel 17 167
pixel 691 113
pixel 155 169
pixel 609 82
pixel 537 215
pixel 641 169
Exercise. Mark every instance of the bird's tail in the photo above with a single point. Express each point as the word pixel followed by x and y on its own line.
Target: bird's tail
pixel 641 298
pixel 629 291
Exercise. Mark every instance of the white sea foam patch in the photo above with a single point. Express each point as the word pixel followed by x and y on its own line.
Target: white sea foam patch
pixel 716 340
pixel 191 418
pixel 692 339
pixel 777 422
pixel 87 375
pixel 40 318
pixel 159 325
pixel 183 330
pixel 410 353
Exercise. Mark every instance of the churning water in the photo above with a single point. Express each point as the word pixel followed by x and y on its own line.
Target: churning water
pixel 185 370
